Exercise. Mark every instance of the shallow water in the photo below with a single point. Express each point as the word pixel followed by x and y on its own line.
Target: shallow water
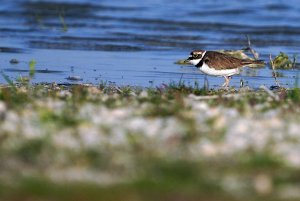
pixel 137 42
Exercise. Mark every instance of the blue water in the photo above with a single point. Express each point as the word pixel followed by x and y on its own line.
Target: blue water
pixel 137 42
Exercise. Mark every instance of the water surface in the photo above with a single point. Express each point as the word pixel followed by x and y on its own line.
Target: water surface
pixel 137 42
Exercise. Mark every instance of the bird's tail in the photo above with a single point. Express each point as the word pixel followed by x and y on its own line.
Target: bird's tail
pixel 253 63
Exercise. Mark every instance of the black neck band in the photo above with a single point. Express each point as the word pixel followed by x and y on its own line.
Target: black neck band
pixel 200 63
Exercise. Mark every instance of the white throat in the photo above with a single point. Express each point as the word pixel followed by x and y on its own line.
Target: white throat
pixel 196 61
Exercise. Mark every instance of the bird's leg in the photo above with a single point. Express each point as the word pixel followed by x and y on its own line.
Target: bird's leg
pixel 227 80
pixel 224 84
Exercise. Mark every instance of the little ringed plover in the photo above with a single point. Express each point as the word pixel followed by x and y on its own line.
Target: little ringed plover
pixel 219 64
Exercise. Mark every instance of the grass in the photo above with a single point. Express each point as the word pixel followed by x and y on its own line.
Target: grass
pixel 111 142
pixel 142 190
pixel 294 95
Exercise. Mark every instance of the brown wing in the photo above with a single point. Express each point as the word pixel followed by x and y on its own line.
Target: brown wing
pixel 221 61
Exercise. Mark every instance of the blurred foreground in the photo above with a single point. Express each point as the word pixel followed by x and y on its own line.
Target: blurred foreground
pixel 174 142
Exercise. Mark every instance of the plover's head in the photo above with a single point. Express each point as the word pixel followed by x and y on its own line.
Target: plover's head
pixel 195 57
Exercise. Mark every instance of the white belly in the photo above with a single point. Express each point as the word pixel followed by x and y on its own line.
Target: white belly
pixel 211 71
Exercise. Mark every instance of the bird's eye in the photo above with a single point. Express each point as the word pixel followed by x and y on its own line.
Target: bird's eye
pixel 197 55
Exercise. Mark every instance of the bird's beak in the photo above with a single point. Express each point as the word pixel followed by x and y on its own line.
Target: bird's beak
pixel 188 60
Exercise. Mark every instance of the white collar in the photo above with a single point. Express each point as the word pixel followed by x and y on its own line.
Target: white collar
pixel 203 55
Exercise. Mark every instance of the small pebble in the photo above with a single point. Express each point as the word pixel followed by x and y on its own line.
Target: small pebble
pixel 74 78
pixel 14 61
